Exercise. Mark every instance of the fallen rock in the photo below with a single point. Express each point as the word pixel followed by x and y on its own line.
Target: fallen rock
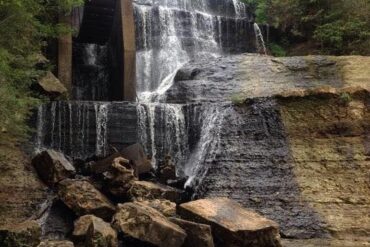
pixel 232 225
pixel 56 243
pixel 136 154
pixel 144 190
pixel 83 198
pixel 166 207
pixel 94 232
pixel 51 85
pixel 120 177
pixel 52 167
pixel 25 234
pixel 199 235
pixel 148 225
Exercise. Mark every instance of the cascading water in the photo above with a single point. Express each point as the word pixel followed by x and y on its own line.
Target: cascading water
pixel 170 34
pixel 260 42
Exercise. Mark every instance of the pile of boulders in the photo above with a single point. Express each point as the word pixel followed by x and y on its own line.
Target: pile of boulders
pixel 114 207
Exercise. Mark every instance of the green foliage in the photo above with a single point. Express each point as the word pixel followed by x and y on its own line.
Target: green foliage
pixel 336 26
pixel 24 27
pixel 277 50
pixel 345 98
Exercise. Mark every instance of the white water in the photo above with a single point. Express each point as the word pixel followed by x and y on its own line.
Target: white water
pixel 101 112
pixel 260 42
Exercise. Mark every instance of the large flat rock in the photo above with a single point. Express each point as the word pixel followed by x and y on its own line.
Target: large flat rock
pixel 232 225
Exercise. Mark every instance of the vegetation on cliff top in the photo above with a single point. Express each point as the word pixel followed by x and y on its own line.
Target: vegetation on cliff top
pixel 25 25
pixel 335 27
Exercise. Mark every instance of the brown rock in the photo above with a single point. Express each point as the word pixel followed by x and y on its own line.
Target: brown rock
pixel 56 243
pixel 25 234
pixel 52 167
pixel 143 190
pixel 51 85
pixel 199 235
pixel 135 153
pixel 232 225
pixel 148 225
pixel 120 177
pixel 83 198
pixel 94 232
pixel 166 207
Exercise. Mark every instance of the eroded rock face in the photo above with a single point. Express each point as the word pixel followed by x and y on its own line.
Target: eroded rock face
pixel 120 177
pixel 199 235
pixel 148 225
pixel 83 198
pixel 232 225
pixel 56 243
pixel 94 232
pixel 166 207
pixel 144 190
pixel 53 167
pixel 27 234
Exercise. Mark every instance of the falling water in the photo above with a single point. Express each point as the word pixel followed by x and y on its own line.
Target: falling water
pixel 259 39
pixel 171 33
pixel 101 116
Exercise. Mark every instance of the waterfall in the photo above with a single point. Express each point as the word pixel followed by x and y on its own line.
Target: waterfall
pixel 259 39
pixel 171 33
pixel 101 116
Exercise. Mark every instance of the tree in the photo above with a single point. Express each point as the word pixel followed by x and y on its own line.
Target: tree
pixel 24 27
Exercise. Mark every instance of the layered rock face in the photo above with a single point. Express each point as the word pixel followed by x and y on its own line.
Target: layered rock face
pixel 297 150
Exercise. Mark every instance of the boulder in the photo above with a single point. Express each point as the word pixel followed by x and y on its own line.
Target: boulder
pixel 144 190
pixel 232 225
pixel 51 85
pixel 83 198
pixel 166 207
pixel 199 235
pixel 56 243
pixel 52 167
pixel 94 232
pixel 26 234
pixel 120 177
pixel 136 154
pixel 147 224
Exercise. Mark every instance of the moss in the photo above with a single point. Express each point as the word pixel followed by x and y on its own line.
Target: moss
pixel 238 99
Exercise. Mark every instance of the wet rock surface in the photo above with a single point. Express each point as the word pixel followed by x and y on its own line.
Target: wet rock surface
pixel 232 225
pixel 147 224
pixel 83 198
